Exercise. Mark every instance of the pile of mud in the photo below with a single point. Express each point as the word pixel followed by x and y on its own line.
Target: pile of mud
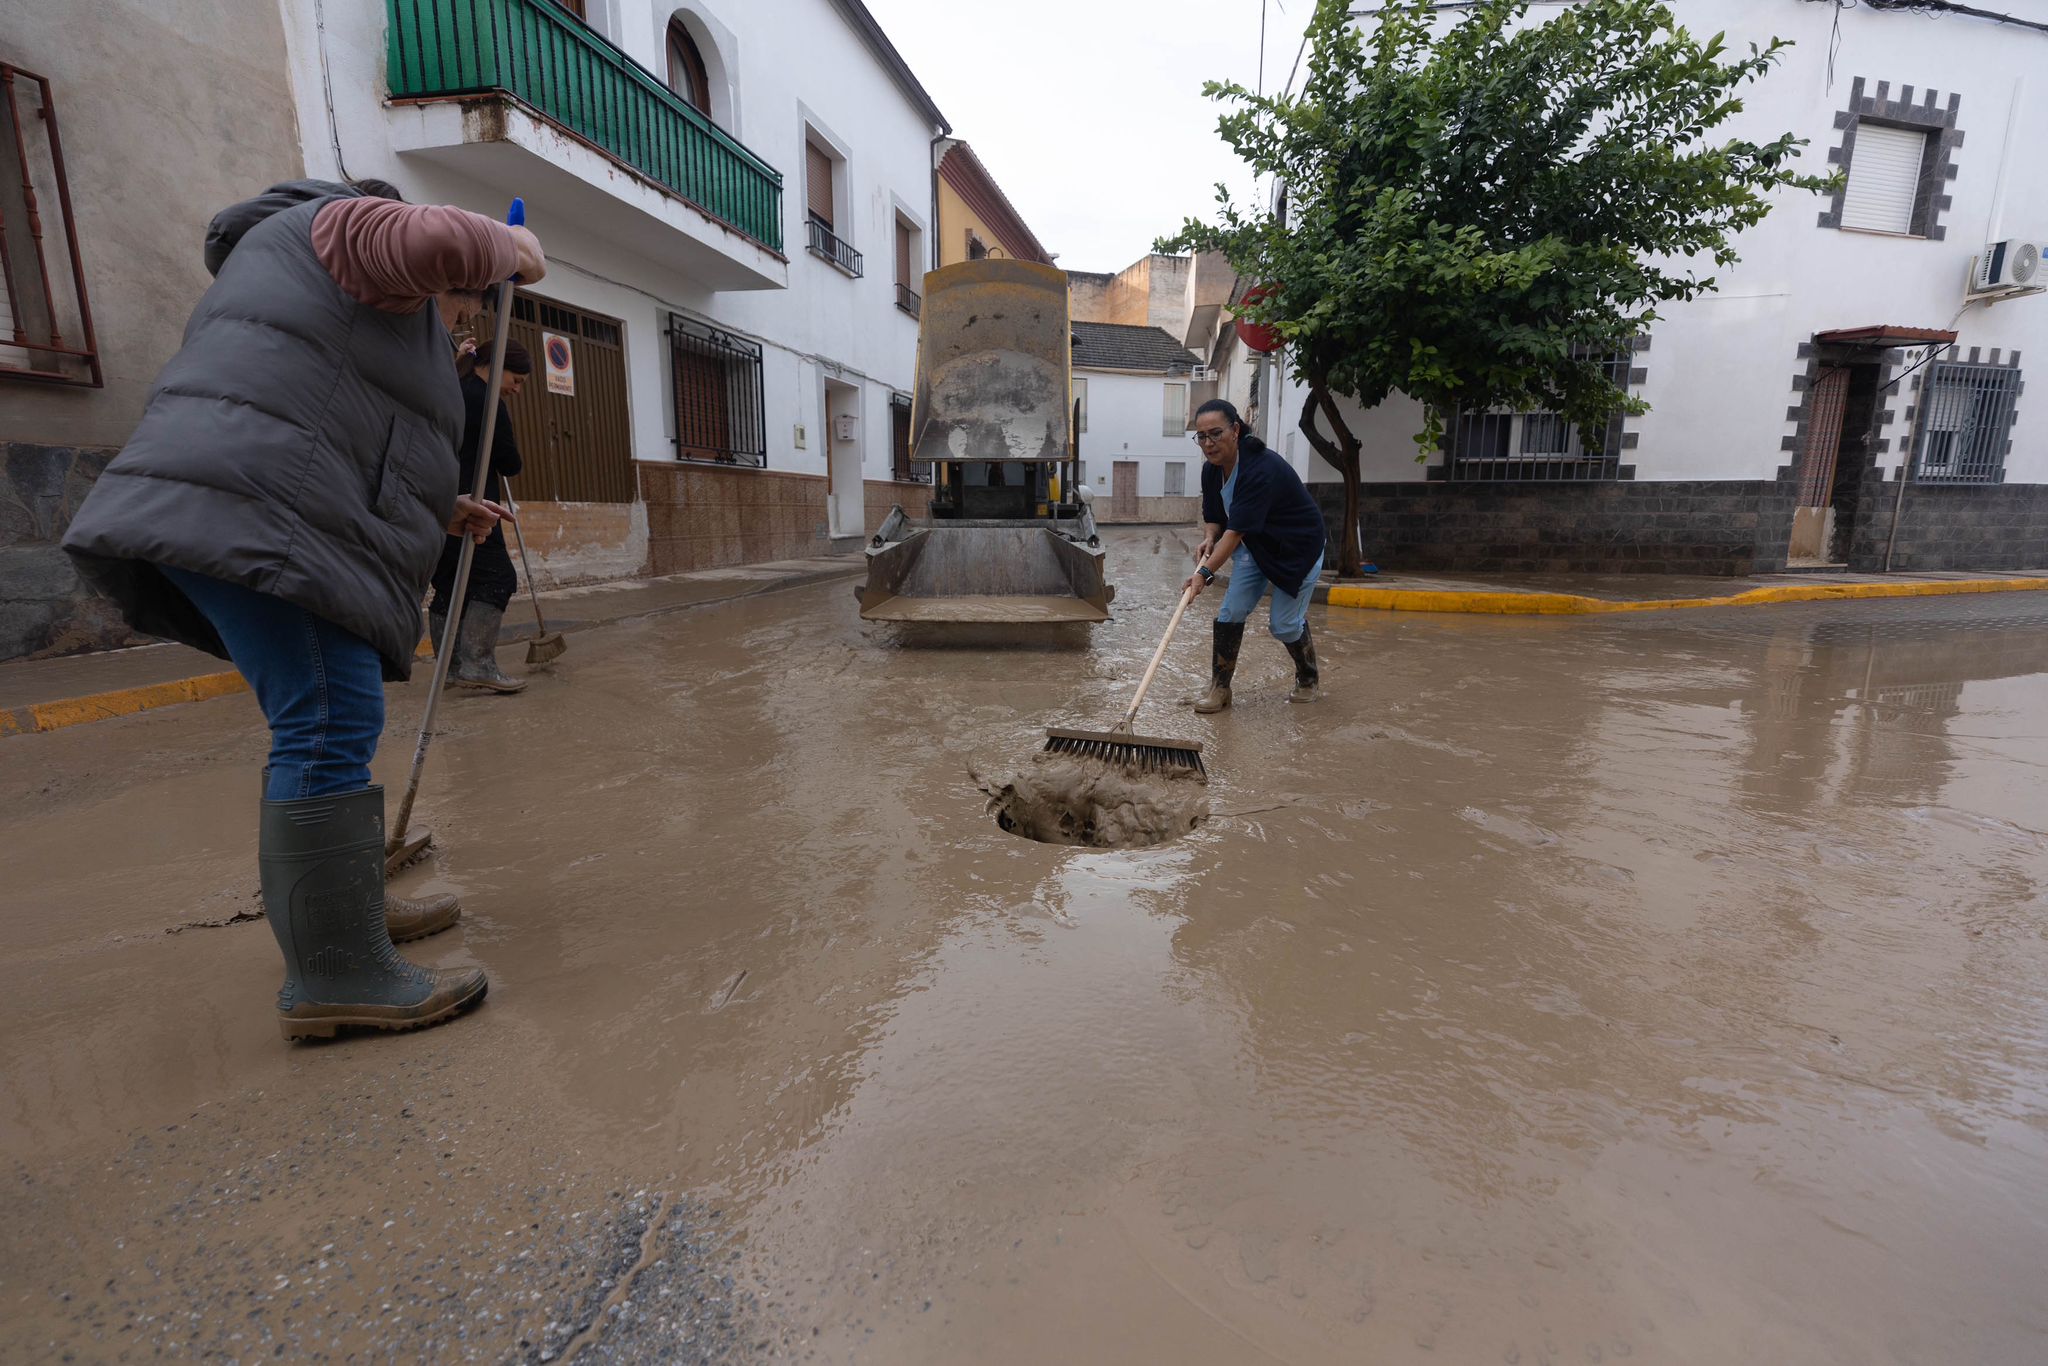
pixel 1059 799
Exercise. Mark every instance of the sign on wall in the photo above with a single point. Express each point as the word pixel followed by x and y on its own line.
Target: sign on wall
pixel 561 363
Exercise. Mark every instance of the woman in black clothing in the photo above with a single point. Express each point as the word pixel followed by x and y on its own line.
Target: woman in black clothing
pixel 492 581
pixel 1258 518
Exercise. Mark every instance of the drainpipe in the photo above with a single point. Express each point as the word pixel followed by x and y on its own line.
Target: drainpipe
pixel 1906 466
pixel 935 199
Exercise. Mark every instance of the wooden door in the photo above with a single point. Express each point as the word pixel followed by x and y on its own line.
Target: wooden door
pixel 1813 530
pixel 577 447
pixel 1123 496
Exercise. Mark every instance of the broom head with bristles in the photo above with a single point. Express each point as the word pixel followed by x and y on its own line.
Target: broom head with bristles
pixel 545 649
pixel 1144 753
pixel 399 853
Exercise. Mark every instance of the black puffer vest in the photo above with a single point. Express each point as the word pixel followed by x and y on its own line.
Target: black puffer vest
pixel 300 443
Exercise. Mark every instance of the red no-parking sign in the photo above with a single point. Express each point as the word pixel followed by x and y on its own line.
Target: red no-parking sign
pixel 561 363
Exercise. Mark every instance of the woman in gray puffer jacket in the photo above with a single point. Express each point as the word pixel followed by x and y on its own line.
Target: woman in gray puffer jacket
pixel 282 504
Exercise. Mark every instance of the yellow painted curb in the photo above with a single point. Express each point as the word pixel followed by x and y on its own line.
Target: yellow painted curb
pixel 1572 604
pixel 101 706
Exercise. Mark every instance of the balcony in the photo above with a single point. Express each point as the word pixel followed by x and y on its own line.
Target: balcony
pixel 522 95
pixel 824 243
pixel 909 300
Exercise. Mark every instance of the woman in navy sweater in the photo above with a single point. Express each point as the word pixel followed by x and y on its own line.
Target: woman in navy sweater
pixel 1258 518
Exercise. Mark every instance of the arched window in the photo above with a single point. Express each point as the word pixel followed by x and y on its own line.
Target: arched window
pixel 687 75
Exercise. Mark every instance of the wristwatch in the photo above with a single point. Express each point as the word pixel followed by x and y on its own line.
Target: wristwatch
pixel 1208 574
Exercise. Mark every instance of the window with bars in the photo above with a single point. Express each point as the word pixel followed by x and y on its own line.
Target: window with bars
pixel 907 275
pixel 822 171
pixel 899 444
pixel 1173 418
pixel 1176 479
pixel 46 329
pixel 1537 446
pixel 1966 416
pixel 715 386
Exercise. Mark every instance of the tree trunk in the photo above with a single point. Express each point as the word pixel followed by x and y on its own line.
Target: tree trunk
pixel 1340 449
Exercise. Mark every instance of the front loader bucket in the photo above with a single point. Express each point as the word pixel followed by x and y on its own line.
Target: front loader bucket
pixel 985 572
pixel 994 356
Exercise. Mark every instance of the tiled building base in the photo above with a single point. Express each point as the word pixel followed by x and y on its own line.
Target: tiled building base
pixel 1960 526
pixel 1150 512
pixel 710 516
pixel 45 608
pixel 1685 526
pixel 1634 527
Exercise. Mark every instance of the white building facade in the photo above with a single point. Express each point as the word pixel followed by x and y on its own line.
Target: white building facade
pixel 736 197
pixel 1859 343
pixel 1138 388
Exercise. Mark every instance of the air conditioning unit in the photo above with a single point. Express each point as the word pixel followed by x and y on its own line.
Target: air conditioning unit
pixel 2011 264
pixel 1200 373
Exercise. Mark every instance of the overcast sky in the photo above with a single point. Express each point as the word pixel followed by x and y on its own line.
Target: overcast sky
pixel 1089 113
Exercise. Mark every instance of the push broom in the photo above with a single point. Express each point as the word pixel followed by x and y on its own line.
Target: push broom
pixel 547 646
pixel 401 846
pixel 1119 744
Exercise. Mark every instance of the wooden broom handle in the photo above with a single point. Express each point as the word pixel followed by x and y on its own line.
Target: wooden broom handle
pixel 1131 716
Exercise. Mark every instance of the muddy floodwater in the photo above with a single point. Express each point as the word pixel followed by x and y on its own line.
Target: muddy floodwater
pixel 1670 989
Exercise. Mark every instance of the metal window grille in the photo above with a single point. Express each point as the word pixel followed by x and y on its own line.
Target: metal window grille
pixel 826 243
pixel 899 445
pixel 908 300
pixel 45 321
pixel 1965 423
pixel 715 381
pixel 1537 447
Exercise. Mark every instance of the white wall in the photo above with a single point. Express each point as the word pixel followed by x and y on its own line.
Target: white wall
pixel 1719 370
pixel 784 62
pixel 1125 414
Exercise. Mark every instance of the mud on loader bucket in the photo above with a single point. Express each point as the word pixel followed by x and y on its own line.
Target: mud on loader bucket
pixel 1003 539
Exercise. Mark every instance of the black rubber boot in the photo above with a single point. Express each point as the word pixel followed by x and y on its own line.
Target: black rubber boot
pixel 1307 677
pixel 476 651
pixel 1222 664
pixel 322 863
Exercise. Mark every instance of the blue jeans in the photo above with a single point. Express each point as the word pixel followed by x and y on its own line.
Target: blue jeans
pixel 320 687
pixel 1289 612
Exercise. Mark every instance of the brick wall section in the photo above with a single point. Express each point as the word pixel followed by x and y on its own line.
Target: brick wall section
pixel 45 609
pixel 710 516
pixel 1951 526
pixel 1667 527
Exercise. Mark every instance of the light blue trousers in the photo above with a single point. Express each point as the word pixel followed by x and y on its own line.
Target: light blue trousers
pixel 1289 612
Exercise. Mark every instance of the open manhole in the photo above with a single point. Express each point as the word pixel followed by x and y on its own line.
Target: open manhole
pixel 1059 799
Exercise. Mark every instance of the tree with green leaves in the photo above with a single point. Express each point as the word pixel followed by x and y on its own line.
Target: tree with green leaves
pixel 1477 209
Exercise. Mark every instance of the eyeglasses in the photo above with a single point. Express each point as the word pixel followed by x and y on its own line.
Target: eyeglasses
pixel 1209 438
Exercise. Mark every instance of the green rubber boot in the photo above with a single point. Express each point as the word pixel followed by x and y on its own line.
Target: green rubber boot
pixel 322 865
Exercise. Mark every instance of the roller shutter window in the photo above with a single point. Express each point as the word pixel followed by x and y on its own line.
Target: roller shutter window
pixel 818 183
pixel 1884 178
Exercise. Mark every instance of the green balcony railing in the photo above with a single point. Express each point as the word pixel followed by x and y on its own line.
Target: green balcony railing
pixel 539 54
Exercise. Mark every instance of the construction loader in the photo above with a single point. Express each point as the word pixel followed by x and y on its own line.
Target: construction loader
pixel 1008 535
